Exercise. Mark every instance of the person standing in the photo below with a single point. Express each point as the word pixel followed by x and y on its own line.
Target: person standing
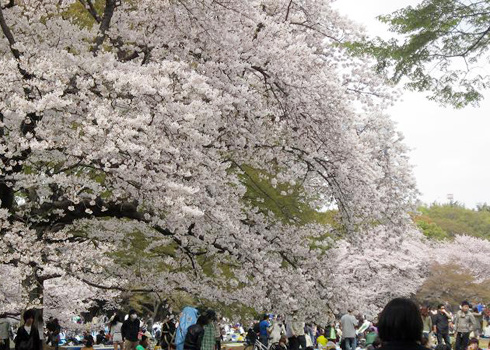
pixel 4 332
pixel 464 323
pixel 348 325
pixel 209 338
pixel 115 332
pixel 295 331
pixel 331 332
pixel 54 329
pixel 427 322
pixel 28 335
pixel 264 330
pixel 130 330
pixel 195 334
pixel 168 333
pixel 440 324
pixel 479 322
pixel 276 331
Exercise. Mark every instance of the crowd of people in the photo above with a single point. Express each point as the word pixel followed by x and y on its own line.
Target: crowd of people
pixel 440 329
pixel 353 332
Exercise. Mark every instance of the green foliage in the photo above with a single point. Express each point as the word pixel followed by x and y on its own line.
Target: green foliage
pixel 81 16
pixel 285 201
pixel 440 221
pixel 435 34
pixel 430 228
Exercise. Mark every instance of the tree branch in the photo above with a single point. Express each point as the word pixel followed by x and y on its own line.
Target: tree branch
pixel 110 6
pixel 89 5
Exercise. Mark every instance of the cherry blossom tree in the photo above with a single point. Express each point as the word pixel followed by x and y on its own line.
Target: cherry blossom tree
pixel 467 252
pixel 140 118
pixel 387 264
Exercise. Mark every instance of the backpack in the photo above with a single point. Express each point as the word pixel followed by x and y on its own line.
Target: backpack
pixel 256 328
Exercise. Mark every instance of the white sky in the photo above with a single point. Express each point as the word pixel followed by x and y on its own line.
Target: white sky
pixel 449 147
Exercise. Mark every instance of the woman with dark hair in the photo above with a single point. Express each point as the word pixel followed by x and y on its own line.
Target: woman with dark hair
pixel 115 331
pixel 400 326
pixel 28 335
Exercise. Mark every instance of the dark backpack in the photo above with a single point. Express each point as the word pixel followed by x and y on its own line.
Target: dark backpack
pixel 256 328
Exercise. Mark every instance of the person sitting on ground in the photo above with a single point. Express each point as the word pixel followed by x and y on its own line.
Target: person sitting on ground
pixel 322 340
pixel 371 336
pixel 281 345
pixel 400 326
pixel 474 344
pixel 143 345
pixel 100 338
pixel 375 344
pixel 88 343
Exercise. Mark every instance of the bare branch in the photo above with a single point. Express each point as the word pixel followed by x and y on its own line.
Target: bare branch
pixel 110 6
pixel 89 5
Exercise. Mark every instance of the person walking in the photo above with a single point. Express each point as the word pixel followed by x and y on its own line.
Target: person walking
pixel 115 326
pixel 130 330
pixel 464 323
pixel 28 335
pixel 348 325
pixel 4 332
pixel 440 324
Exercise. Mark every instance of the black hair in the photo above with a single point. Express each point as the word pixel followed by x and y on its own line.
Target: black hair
pixel 474 341
pixel 465 303
pixel 203 320
pixel 400 320
pixel 265 317
pixel 28 314
pixel 439 306
pixel 132 312
pixel 211 315
pixel 89 341
pixel 115 319
pixel 143 338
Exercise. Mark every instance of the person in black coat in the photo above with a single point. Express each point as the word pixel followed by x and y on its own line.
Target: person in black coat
pixel 28 335
pixel 400 326
pixel 130 330
pixel 195 333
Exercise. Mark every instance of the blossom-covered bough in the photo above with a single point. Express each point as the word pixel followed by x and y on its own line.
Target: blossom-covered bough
pixel 137 116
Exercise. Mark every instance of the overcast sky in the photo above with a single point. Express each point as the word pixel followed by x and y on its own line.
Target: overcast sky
pixel 450 147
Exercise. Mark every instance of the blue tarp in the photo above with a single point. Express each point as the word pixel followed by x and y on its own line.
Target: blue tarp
pixel 188 318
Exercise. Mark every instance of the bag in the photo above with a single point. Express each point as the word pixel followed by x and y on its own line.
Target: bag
pixel 256 328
